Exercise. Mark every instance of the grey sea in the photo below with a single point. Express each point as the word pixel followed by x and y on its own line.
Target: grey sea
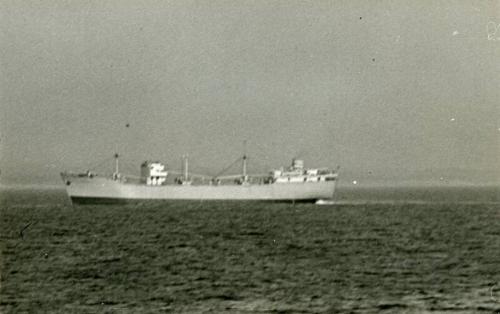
pixel 419 250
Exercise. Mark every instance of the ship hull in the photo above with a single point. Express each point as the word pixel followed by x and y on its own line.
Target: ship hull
pixel 107 191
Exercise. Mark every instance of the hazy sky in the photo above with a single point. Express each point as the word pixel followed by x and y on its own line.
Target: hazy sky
pixel 388 89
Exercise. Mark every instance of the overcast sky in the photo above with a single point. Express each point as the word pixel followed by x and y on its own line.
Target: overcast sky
pixel 388 89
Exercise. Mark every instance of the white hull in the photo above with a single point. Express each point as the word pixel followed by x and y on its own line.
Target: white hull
pixel 98 189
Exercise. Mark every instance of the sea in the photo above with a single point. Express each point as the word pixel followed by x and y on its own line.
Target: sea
pixel 374 250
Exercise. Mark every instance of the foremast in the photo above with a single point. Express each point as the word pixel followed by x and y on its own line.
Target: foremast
pixel 116 174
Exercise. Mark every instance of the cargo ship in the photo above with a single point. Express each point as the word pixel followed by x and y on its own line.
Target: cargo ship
pixel 157 182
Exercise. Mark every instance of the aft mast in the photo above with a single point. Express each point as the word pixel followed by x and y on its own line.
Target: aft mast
pixel 185 167
pixel 244 170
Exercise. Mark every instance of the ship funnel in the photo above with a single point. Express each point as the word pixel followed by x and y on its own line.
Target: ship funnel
pixel 297 164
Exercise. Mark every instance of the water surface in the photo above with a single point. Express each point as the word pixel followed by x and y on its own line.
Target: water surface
pixel 376 250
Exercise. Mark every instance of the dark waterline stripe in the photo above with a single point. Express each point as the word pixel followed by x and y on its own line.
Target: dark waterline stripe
pixel 117 201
